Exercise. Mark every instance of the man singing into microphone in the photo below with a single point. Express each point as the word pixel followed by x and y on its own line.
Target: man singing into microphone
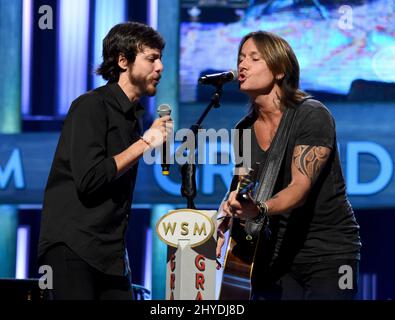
pixel 90 186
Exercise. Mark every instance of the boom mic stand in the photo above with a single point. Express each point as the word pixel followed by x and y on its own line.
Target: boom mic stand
pixel 188 170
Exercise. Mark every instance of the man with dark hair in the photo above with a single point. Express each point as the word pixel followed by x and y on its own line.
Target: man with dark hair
pixel 90 186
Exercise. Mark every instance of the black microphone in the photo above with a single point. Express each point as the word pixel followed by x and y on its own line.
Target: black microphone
pixel 216 79
pixel 164 110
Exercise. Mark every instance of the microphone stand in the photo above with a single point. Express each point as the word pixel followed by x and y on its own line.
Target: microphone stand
pixel 188 170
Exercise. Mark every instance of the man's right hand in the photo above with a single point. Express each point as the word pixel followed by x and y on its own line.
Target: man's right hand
pixel 159 131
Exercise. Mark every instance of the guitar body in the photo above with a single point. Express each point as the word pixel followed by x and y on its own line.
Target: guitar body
pixel 236 277
pixel 238 262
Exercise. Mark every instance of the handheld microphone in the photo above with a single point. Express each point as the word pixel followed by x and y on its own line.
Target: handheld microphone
pixel 216 79
pixel 164 110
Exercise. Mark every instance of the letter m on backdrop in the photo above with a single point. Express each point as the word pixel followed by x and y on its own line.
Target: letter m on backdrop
pixel 12 168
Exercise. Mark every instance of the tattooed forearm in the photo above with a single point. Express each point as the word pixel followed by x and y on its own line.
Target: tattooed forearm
pixel 310 159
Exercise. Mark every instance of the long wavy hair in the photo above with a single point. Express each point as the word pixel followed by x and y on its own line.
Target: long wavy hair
pixel 128 39
pixel 280 58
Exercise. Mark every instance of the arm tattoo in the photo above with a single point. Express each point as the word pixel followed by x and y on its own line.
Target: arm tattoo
pixel 310 159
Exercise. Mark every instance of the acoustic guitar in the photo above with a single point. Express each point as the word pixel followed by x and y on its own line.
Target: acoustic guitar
pixel 240 249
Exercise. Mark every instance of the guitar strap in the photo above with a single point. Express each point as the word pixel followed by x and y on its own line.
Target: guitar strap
pixel 245 249
pixel 269 171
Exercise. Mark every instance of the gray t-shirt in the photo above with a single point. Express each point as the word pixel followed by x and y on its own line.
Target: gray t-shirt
pixel 324 228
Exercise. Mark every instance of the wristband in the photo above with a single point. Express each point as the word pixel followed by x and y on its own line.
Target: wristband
pixel 146 141
pixel 263 208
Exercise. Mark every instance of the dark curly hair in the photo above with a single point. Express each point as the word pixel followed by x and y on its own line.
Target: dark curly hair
pixel 127 38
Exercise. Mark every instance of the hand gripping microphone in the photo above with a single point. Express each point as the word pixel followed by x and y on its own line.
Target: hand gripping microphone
pixel 164 110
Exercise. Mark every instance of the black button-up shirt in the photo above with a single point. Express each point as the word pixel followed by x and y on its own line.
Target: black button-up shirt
pixel 86 206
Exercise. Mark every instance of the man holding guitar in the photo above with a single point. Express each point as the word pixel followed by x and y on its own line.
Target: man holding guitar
pixel 308 244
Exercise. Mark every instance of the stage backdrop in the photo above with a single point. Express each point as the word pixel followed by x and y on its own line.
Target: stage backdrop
pixel 366 144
